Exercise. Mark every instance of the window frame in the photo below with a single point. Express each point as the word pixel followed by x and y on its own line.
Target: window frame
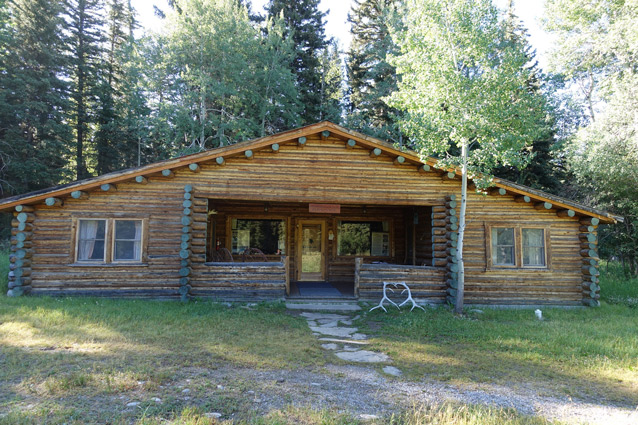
pixel 518 246
pixel 114 240
pixel 228 243
pixel 365 220
pixel 513 246
pixel 109 240
pixel 77 241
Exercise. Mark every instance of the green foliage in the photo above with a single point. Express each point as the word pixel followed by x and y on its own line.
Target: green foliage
pixel 370 76
pixel 463 86
pixel 34 136
pixel 617 287
pixel 595 51
pixel 305 28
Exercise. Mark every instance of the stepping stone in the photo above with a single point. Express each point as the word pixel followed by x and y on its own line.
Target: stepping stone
pixel 359 336
pixel 344 341
pixel 363 356
pixel 349 348
pixel 391 370
pixel 324 316
pixel 331 346
pixel 340 332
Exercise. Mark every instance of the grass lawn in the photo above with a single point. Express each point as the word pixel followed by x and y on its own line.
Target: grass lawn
pixel 80 360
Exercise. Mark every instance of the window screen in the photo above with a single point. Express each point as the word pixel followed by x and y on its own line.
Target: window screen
pixel 364 238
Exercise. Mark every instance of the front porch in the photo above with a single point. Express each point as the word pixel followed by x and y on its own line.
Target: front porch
pixel 298 250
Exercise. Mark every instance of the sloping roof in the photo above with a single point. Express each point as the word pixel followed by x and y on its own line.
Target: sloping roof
pixel 288 136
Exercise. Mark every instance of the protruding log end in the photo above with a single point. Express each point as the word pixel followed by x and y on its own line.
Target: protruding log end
pixel 450 198
pixel 302 141
pixel 523 199
pixel 498 191
pixel 188 188
pixel 375 152
pixel 141 180
pixel 78 194
pixel 593 221
pixel 54 202
pixel 325 134
pixel 543 206
pixel 168 173
pixel 275 147
pixel 24 208
pixel 351 143
pixel 108 187
pixel 195 168
pixel 249 154
pixel 424 168
pixel 399 160
pixel 449 175
pixel 566 213
pixel 220 160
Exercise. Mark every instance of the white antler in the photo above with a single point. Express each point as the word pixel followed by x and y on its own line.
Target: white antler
pixel 385 297
pixel 414 304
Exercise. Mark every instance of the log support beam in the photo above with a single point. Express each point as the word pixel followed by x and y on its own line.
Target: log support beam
pixel 351 143
pixel 53 202
pixel 374 153
pixel 141 180
pixel 78 194
pixel 301 142
pixel 168 173
pixel 249 154
pixel 194 167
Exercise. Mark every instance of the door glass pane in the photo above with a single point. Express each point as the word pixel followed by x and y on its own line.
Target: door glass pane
pixel 311 249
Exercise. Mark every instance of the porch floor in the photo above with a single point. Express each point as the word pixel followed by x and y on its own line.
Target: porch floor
pixel 321 290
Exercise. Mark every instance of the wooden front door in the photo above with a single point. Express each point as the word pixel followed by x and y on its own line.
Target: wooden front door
pixel 311 250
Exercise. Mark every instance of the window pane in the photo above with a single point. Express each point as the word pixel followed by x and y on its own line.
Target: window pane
pixel 363 238
pixel 269 236
pixel 503 246
pixel 125 229
pixel 533 247
pixel 128 240
pixel 91 240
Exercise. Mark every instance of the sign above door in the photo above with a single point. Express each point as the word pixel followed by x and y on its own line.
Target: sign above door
pixel 324 208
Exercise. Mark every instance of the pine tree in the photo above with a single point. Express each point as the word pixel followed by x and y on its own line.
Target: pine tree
pixel 34 137
pixel 543 171
pixel 331 79
pixel 370 77
pixel 110 138
pixel 305 24
pixel 85 54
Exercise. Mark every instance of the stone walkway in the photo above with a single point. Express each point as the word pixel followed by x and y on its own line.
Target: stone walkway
pixel 339 335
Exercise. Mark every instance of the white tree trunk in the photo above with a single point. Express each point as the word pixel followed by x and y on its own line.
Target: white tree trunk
pixel 458 308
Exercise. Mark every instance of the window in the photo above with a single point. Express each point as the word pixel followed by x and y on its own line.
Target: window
pixel 517 246
pixel 533 247
pixel 503 246
pixel 109 240
pixel 267 235
pixel 128 240
pixel 364 238
pixel 91 239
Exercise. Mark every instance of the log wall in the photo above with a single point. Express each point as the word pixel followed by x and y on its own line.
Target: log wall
pixel 426 283
pixel 322 171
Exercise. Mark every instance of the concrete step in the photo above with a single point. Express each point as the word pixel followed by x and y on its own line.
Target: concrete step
pixel 322 305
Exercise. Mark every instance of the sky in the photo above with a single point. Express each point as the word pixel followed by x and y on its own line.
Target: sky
pixel 337 26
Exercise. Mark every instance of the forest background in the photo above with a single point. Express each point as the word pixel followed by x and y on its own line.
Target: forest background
pixel 83 92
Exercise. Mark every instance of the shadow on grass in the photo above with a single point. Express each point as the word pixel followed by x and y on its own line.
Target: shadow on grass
pixel 590 354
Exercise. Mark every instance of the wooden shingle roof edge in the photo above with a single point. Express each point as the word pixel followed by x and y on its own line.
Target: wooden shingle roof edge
pixel 287 136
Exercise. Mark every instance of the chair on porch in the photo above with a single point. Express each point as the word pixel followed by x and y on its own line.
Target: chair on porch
pixel 253 255
pixel 222 255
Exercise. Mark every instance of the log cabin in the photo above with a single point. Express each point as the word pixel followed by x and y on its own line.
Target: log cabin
pixel 316 211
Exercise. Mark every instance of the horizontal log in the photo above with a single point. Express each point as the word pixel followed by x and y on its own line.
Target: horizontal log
pixel 23 244
pixel 566 213
pixel 194 167
pixel 439 262
pixel 24 208
pixel 439 208
pixel 588 245
pixel 22 272
pixel 24 217
pixel 588 253
pixel 79 194
pixel 452 227
pixel 438 216
pixel 589 221
pixel 439 254
pixel 451 219
pixel 24 253
pixel 586 229
pixel 438 223
pixel 587 237
pixel 24 236
pixel 18 291
pixel 523 199
pixel 25 227
pixel 590 270
pixel 53 202
pixel 141 180
pixel 543 206
pixel 450 198
pixel 453 236
pixel 450 205
pixel 451 251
